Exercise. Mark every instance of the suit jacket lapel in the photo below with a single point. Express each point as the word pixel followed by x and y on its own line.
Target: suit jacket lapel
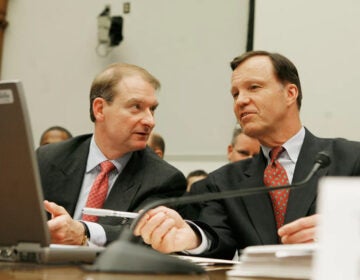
pixel 259 206
pixel 71 174
pixel 300 200
pixel 127 185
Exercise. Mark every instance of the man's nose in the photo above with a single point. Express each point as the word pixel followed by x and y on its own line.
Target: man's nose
pixel 149 119
pixel 242 98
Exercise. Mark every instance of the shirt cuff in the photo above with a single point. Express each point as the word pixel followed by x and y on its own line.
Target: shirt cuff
pixel 97 234
pixel 205 242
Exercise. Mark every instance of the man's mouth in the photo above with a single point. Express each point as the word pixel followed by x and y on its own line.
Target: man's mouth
pixel 242 115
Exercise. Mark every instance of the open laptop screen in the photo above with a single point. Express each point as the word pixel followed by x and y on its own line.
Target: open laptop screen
pixel 22 217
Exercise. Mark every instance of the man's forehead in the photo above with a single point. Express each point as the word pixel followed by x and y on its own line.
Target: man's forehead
pixel 254 63
pixel 129 81
pixel 253 60
pixel 135 87
pixel 253 68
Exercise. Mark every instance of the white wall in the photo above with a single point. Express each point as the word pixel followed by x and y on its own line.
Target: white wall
pixel 322 38
pixel 50 46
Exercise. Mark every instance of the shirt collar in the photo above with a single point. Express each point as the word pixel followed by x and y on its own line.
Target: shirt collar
pixel 95 157
pixel 292 146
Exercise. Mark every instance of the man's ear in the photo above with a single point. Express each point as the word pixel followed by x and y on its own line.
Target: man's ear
pixel 292 93
pixel 159 153
pixel 98 108
pixel 229 151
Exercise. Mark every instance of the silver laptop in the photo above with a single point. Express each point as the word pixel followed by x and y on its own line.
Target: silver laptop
pixel 24 234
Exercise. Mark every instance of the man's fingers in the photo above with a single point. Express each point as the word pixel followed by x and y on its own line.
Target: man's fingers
pixel 147 229
pixel 302 236
pixel 144 221
pixel 54 209
pixel 162 230
pixel 297 225
pixel 299 231
pixel 166 244
pixel 165 230
pixel 141 224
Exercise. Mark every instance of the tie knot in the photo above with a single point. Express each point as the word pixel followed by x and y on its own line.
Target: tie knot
pixel 275 153
pixel 107 166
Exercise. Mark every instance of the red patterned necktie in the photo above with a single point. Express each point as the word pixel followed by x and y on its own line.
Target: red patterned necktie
pixel 275 175
pixel 99 190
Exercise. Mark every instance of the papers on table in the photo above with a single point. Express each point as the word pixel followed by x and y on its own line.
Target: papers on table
pixel 277 261
pixel 207 261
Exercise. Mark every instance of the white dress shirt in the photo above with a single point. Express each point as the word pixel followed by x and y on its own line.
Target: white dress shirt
pixel 95 157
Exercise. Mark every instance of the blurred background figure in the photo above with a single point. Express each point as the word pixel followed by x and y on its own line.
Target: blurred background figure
pixel 195 176
pixel 54 134
pixel 242 146
pixel 192 211
pixel 157 143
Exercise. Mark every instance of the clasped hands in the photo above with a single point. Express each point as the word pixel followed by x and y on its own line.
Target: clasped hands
pixel 166 231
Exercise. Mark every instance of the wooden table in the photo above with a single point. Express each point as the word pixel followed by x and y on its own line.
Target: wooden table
pixel 26 271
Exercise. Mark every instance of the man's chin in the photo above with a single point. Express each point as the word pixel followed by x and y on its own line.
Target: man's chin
pixel 139 146
pixel 251 131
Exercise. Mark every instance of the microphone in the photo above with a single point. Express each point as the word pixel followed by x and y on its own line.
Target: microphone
pixel 123 255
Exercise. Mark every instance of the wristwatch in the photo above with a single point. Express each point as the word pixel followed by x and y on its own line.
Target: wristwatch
pixel 86 237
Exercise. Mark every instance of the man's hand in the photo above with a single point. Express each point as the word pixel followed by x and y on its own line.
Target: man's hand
pixel 63 229
pixel 299 231
pixel 166 231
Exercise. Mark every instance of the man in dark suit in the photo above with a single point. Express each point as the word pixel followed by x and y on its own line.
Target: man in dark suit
pixel 267 99
pixel 122 107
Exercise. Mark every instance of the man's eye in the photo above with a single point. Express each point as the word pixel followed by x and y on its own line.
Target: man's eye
pixel 153 109
pixel 244 153
pixel 254 87
pixel 235 95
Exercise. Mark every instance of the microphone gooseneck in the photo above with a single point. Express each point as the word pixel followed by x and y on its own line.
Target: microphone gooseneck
pixel 124 255
pixel 322 160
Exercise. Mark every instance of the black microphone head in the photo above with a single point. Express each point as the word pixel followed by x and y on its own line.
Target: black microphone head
pixel 323 159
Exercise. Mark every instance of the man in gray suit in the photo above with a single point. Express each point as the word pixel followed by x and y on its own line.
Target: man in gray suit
pixel 122 107
pixel 267 99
